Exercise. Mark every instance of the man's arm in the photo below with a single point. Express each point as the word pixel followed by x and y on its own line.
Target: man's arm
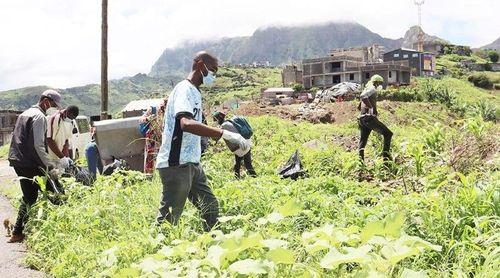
pixel 39 126
pixel 197 128
pixel 53 146
pixel 367 102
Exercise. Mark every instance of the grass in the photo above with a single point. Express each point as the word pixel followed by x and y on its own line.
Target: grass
pixel 109 229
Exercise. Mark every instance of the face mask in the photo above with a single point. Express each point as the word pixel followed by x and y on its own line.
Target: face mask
pixel 210 78
pixel 51 111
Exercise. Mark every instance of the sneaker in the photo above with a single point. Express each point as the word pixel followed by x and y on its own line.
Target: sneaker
pixel 16 238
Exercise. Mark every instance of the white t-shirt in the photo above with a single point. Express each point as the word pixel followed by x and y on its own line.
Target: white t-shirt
pixel 59 130
pixel 178 147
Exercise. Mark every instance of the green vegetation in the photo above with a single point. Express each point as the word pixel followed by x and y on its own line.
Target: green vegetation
pixel 493 55
pixel 241 84
pixel 4 151
pixel 434 212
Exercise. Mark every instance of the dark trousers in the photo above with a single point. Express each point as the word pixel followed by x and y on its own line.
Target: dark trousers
pixel 93 157
pixel 186 182
pixel 30 194
pixel 247 160
pixel 366 125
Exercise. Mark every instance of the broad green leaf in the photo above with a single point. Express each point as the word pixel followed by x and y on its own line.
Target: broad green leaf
pixel 274 243
pixel 272 218
pixel 398 253
pixel 408 273
pixel 253 240
pixel 108 257
pixel 249 266
pixel 149 265
pixel 371 229
pixel 281 256
pixel 215 256
pixel 318 246
pixel 352 255
pixel 369 273
pixel 127 273
pixel 393 224
pixel 290 208
pixel 41 181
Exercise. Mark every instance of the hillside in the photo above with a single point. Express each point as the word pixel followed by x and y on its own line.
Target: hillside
pixel 493 45
pixel 411 37
pixel 87 97
pixel 277 45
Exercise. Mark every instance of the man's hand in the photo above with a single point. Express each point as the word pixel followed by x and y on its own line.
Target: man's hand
pixel 236 139
pixel 64 162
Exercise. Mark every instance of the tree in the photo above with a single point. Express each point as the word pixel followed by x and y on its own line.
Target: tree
pixel 298 87
pixel 493 55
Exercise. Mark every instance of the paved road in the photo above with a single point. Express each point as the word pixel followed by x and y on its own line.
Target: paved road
pixel 11 254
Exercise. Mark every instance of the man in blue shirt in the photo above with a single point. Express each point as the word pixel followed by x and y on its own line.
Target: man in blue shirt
pixel 178 160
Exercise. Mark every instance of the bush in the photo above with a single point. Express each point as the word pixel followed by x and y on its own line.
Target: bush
pixel 481 81
pixel 496 86
pixel 493 55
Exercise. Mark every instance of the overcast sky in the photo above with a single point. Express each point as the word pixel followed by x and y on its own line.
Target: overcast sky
pixel 57 42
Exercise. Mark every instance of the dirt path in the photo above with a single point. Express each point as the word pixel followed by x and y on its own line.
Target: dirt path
pixel 11 254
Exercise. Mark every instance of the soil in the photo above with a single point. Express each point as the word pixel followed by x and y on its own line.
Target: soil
pixel 11 254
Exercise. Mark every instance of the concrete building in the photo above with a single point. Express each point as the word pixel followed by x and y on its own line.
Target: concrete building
pixel 272 93
pixel 421 63
pixel 8 120
pixel 368 54
pixel 328 71
pixel 291 75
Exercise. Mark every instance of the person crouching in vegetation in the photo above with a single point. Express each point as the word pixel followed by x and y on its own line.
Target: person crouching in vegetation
pixel 178 160
pixel 220 118
pixel 60 131
pixel 368 120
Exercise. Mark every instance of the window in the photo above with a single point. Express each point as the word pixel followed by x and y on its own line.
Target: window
pixel 351 76
pixel 405 56
pixel 367 75
pixel 414 55
pixel 396 55
pixel 390 73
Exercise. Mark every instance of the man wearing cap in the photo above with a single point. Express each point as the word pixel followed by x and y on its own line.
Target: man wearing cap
pixel 28 154
pixel 60 131
pixel 368 120
pixel 178 160
pixel 220 118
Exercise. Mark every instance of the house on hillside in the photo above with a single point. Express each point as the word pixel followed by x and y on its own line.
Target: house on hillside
pixel 291 75
pixel 421 63
pixel 8 120
pixel 272 93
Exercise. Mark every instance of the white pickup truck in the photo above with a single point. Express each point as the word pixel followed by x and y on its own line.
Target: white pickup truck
pixel 81 135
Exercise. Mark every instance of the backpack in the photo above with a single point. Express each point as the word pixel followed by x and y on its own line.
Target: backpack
pixel 241 124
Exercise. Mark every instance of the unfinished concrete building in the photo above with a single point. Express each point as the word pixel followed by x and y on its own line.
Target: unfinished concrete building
pixel 8 120
pixel 291 75
pixel 328 71
pixel 420 63
pixel 368 54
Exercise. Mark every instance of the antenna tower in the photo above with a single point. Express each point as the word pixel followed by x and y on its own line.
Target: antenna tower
pixel 420 36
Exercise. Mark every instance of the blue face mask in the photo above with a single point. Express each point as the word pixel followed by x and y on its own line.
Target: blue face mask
pixel 210 78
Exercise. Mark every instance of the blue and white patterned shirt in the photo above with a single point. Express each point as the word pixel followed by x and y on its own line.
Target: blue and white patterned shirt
pixel 178 147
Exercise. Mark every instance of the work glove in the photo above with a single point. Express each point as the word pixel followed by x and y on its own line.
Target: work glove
pixel 54 174
pixel 236 139
pixel 64 162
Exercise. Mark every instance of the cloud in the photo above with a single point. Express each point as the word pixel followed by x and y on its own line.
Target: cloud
pixel 57 42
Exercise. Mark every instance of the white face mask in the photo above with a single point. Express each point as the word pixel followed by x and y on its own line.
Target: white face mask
pixel 51 111
pixel 210 78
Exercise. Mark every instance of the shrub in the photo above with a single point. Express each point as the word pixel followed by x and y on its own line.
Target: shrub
pixel 493 55
pixel 481 81
pixel 496 86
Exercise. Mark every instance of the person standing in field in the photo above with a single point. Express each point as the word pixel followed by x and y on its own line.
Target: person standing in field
pixel 60 131
pixel 368 120
pixel 178 161
pixel 151 126
pixel 220 118
pixel 28 155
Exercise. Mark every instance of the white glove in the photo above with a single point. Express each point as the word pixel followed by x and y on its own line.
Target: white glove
pixel 236 139
pixel 64 162
pixel 370 111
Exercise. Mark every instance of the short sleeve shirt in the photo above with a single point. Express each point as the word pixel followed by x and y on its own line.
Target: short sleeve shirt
pixel 178 147
pixel 59 130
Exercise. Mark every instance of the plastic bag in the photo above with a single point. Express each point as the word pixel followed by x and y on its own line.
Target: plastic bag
pixel 293 168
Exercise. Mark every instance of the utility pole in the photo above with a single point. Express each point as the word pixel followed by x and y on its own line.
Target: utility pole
pixel 104 61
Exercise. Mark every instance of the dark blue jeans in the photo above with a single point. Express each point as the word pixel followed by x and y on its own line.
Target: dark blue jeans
pixel 93 157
